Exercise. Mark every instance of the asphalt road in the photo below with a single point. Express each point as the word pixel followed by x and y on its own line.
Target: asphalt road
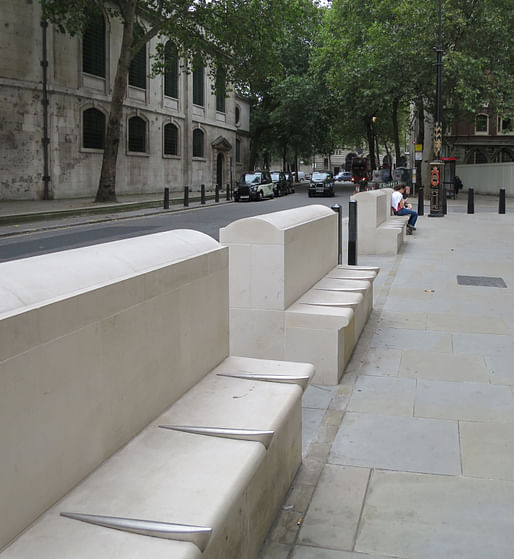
pixel 207 219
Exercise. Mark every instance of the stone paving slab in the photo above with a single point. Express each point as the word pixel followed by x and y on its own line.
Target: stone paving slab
pixel 383 395
pixel 407 444
pixel 302 552
pixel 417 516
pixel 447 366
pixel 467 323
pixel 413 340
pixel 487 450
pixel 335 509
pixel 465 401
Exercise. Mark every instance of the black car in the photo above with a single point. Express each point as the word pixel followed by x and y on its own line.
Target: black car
pixel 254 185
pixel 322 182
pixel 280 187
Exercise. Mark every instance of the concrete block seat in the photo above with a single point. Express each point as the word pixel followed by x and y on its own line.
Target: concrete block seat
pixel 377 231
pixel 278 309
pixel 99 347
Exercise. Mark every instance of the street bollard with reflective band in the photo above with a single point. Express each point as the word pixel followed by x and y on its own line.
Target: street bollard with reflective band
pixel 228 191
pixel 421 201
pixel 471 201
pixel 186 196
pixel 217 194
pixel 352 233
pixel 501 206
pixel 166 198
pixel 339 211
pixel 202 194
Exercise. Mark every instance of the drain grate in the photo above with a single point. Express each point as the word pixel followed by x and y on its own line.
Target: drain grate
pixel 481 281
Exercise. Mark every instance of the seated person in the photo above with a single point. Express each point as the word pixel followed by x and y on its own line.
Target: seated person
pixel 400 208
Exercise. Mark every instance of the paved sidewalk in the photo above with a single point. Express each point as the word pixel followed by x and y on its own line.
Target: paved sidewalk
pixel 412 455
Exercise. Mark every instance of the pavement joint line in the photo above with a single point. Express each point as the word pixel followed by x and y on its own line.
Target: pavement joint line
pixel 363 504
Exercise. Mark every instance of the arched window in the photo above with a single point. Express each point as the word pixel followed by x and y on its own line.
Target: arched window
pixel 238 151
pixel 170 139
pixel 197 143
pixel 238 114
pixel 93 129
pixel 481 124
pixel 171 71
pixel 93 46
pixel 198 85
pixel 137 134
pixel 220 91
pixel 137 70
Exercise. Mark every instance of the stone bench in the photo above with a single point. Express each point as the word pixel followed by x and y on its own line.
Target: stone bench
pixel 122 408
pixel 288 297
pixel 378 232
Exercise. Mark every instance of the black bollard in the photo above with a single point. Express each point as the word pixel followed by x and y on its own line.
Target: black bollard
pixel 166 198
pixel 339 211
pixel 217 194
pixel 202 194
pixel 186 196
pixel 228 192
pixel 501 207
pixel 421 201
pixel 471 201
pixel 352 233
pixel 445 200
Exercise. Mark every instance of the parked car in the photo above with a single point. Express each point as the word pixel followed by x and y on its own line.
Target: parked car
pixel 280 187
pixel 344 176
pixel 301 176
pixel 290 183
pixel 322 182
pixel 255 185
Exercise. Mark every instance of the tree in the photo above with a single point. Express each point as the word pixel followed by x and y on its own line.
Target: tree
pixel 220 33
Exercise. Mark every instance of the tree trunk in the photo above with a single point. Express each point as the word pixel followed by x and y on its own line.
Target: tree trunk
pixel 371 142
pixel 396 132
pixel 107 187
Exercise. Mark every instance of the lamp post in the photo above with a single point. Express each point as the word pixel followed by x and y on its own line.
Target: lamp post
pixel 374 141
pixel 436 181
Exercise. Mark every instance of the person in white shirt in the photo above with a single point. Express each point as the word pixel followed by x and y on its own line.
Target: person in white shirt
pixel 400 208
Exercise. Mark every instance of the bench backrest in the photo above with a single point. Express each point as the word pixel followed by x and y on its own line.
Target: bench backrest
pixel 94 344
pixel 275 258
pixel 373 208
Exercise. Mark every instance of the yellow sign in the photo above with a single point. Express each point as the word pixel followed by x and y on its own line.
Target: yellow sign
pixel 419 147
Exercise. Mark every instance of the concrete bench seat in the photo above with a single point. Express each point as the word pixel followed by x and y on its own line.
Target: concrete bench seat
pixel 277 308
pixel 100 347
pixel 377 231
pixel 231 486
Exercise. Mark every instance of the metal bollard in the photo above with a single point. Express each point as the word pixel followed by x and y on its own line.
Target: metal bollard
pixel 202 194
pixel 352 233
pixel 471 201
pixel 339 211
pixel 445 200
pixel 501 207
pixel 217 194
pixel 186 196
pixel 421 201
pixel 166 198
pixel 228 192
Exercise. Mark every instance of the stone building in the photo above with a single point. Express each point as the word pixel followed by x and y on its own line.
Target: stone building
pixel 175 130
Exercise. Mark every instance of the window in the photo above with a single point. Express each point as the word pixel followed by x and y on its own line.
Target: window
pixel 170 139
pixel 197 143
pixel 220 91
pixel 93 129
pixel 504 125
pixel 93 47
pixel 238 114
pixel 137 135
pixel 325 163
pixel 171 71
pixel 481 124
pixel 198 85
pixel 238 151
pixel 137 70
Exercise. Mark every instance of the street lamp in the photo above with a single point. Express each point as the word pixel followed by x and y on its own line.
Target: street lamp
pixel 436 181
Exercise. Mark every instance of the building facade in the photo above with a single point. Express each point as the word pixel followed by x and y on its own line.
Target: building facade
pixel 487 138
pixel 175 130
